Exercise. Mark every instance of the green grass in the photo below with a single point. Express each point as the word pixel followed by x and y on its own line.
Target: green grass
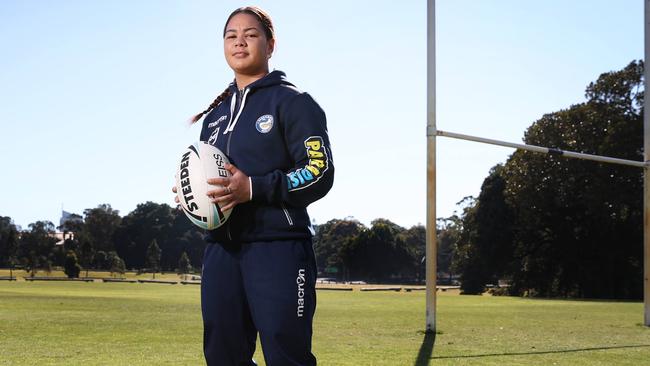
pixel 64 323
pixel 20 274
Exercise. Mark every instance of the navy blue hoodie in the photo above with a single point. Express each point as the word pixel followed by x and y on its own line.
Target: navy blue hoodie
pixel 276 135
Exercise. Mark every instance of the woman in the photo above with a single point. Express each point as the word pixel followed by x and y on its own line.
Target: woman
pixel 259 270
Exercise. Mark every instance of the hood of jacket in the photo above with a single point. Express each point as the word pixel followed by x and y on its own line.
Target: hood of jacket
pixel 275 77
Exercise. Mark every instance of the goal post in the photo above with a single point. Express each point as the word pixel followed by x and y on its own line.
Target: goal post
pixel 432 133
pixel 646 158
pixel 431 245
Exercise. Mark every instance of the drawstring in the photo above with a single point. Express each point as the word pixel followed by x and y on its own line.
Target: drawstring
pixel 233 101
pixel 232 123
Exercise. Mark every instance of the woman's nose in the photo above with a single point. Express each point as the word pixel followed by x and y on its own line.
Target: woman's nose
pixel 240 41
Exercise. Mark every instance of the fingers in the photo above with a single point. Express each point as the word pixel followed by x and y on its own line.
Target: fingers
pixel 227 207
pixel 219 192
pixel 231 168
pixel 176 199
pixel 222 197
pixel 231 190
pixel 219 181
pixel 174 189
pixel 225 202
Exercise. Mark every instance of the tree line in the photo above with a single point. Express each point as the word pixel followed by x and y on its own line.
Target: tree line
pixel 156 237
pixel 153 237
pixel 348 250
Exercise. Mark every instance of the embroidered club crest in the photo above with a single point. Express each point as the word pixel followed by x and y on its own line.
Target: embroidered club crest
pixel 264 124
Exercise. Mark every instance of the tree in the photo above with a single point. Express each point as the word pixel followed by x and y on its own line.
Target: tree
pixel 101 260
pixel 36 246
pixel 449 234
pixel 99 226
pixel 467 259
pixel 87 253
pixel 414 241
pixel 116 263
pixel 71 226
pixel 71 266
pixel 577 227
pixel 184 265
pixel 182 236
pixel 173 232
pixel 332 241
pixel 153 257
pixel 8 244
pixel 147 222
pixel 12 251
pixel 485 243
pixel 379 253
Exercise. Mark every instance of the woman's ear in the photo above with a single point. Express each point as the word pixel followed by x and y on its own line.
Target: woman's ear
pixel 270 48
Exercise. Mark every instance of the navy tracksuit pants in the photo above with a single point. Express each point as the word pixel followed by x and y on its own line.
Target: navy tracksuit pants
pixel 265 287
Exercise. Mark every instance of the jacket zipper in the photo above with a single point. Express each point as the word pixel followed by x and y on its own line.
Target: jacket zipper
pixel 228 144
pixel 286 213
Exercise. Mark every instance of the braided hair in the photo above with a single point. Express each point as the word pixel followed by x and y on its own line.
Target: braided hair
pixel 269 32
pixel 223 96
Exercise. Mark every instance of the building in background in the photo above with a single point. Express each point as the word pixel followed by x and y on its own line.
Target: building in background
pixel 64 232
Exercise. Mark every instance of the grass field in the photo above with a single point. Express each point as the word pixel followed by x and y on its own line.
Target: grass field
pixel 20 274
pixel 63 323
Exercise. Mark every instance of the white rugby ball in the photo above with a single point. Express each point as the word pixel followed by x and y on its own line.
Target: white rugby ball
pixel 200 162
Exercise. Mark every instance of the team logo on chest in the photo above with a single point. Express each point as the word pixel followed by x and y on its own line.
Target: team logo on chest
pixel 264 124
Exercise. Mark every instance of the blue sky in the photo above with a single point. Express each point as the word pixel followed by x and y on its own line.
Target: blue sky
pixel 94 95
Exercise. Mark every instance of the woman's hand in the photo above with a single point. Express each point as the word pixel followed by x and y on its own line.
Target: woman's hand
pixel 178 202
pixel 232 190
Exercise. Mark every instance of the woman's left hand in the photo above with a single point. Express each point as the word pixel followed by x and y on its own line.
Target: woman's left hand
pixel 232 190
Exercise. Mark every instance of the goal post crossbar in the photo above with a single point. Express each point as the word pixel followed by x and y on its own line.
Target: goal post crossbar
pixel 544 150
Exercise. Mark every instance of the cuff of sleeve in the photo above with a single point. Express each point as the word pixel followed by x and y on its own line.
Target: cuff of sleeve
pixel 257 189
pixel 250 188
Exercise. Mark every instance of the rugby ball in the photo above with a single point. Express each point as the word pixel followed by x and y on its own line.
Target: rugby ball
pixel 200 162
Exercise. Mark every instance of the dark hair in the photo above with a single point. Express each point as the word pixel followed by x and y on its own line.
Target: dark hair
pixel 225 94
pixel 261 15
pixel 267 26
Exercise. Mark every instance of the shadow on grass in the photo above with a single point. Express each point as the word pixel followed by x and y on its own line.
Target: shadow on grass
pixel 534 352
pixel 426 349
pixel 576 299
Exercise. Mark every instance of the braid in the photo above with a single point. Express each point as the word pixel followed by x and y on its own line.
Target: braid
pixel 226 93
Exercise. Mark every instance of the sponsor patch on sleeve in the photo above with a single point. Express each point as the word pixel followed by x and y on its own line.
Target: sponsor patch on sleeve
pixel 316 166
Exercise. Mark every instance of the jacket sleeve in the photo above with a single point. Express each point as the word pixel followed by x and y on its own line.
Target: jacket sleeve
pixel 312 175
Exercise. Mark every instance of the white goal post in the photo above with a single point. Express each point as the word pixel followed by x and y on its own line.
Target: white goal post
pixel 432 133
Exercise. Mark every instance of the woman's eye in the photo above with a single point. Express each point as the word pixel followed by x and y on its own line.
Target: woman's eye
pixel 230 37
pixel 251 35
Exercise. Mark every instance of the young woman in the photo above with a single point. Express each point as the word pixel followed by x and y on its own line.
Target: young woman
pixel 259 270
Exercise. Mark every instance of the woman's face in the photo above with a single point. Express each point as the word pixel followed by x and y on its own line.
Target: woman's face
pixel 245 45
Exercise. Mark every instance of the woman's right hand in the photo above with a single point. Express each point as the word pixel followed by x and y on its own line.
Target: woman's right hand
pixel 178 202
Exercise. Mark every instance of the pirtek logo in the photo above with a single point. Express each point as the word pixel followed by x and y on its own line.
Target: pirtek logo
pixel 300 280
